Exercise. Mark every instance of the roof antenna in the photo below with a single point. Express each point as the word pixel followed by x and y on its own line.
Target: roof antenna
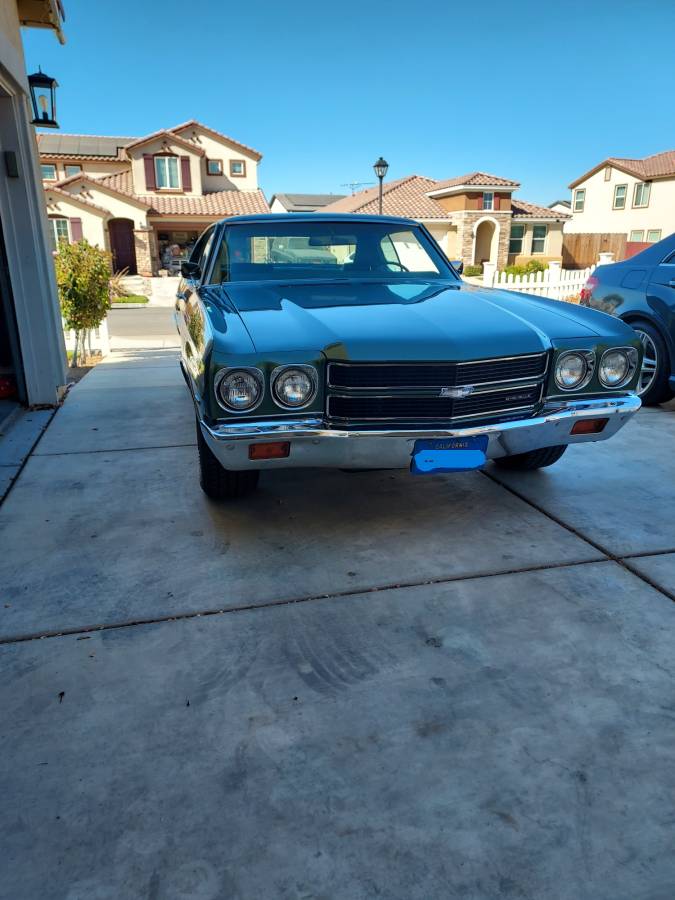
pixel 352 185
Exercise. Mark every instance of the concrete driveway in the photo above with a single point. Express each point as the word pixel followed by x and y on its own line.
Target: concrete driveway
pixel 347 686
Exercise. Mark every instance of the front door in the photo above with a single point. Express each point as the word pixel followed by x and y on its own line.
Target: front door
pixel 121 232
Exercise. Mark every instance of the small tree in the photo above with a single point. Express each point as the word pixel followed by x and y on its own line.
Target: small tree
pixel 82 276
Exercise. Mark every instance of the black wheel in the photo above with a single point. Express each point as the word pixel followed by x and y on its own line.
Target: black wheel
pixel 219 483
pixel 535 459
pixel 653 385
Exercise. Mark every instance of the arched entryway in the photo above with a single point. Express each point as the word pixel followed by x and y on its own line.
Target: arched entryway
pixel 122 245
pixel 485 241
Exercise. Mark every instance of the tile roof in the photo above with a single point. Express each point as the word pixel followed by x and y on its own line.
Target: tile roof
pixel 92 146
pixel 217 203
pixel 403 197
pixel 524 210
pixel 306 202
pixel 659 165
pixel 193 123
pixel 479 179
pixel 169 135
pixel 409 197
pixel 51 189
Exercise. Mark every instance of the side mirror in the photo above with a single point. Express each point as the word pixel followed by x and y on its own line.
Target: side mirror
pixel 457 265
pixel 190 270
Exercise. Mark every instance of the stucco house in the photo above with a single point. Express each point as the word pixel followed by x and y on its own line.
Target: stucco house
pixel 146 199
pixel 473 217
pixel 635 197
pixel 32 352
pixel 300 203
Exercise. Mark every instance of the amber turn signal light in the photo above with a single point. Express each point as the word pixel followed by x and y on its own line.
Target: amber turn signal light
pixel 589 426
pixel 271 450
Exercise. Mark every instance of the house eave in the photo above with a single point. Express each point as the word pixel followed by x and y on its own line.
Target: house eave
pixel 471 188
pixel 42 14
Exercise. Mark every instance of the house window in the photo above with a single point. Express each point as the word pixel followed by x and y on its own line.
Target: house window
pixel 608 173
pixel 58 231
pixel 539 233
pixel 641 194
pixel 637 236
pixel 48 171
pixel 654 235
pixel 516 239
pixel 166 172
pixel 72 169
pixel 620 196
pixel 488 200
pixel 238 168
pixel 214 167
pixel 579 200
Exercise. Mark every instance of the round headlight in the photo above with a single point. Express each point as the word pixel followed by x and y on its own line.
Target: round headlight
pixel 573 370
pixel 294 387
pixel 239 390
pixel 615 368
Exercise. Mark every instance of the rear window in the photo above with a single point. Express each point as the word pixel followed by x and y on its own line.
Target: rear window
pixel 307 250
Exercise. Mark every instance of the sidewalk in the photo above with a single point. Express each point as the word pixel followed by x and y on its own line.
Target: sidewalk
pixel 348 685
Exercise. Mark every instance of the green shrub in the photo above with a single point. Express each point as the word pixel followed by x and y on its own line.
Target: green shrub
pixel 473 271
pixel 82 276
pixel 534 265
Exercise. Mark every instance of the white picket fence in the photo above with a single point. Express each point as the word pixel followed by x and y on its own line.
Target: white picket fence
pixel 554 282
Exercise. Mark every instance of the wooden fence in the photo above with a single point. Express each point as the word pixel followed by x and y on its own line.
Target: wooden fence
pixel 582 250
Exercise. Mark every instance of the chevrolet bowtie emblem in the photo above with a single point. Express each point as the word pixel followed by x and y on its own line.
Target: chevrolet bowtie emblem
pixel 457 392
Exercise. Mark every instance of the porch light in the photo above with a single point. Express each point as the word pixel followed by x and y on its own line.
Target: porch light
pixel 43 99
pixel 381 167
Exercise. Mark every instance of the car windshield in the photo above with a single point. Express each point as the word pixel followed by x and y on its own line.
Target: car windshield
pixel 301 251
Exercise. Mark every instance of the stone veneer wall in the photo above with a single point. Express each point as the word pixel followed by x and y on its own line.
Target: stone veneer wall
pixel 144 243
pixel 465 224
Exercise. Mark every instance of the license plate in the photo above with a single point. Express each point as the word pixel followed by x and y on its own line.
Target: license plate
pixel 448 455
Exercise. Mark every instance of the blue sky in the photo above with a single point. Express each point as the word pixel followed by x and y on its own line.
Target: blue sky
pixel 535 91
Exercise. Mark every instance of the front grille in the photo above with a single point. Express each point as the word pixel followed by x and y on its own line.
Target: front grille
pixel 411 409
pixel 411 375
pixel 410 393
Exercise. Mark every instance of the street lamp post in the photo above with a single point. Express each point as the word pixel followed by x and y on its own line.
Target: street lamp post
pixel 381 167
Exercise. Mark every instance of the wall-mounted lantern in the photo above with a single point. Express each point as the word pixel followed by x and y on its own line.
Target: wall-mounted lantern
pixel 43 98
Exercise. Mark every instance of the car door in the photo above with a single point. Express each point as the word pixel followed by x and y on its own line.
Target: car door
pixel 661 300
pixel 189 313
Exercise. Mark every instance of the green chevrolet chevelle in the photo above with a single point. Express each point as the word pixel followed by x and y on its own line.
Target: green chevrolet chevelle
pixel 351 342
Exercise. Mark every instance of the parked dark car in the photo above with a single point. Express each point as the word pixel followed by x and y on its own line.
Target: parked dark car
pixel 641 291
pixel 365 350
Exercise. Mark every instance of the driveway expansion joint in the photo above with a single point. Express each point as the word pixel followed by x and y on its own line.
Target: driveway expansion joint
pixel 290 601
pixel 613 557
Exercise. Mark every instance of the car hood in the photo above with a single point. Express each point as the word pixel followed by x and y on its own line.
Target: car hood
pixel 405 320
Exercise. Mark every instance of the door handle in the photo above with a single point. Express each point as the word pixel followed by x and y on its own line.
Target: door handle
pixel 671 283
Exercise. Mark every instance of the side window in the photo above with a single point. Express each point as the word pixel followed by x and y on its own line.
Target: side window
pixel 200 251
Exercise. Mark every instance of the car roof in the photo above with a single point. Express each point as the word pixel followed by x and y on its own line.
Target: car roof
pixel 316 217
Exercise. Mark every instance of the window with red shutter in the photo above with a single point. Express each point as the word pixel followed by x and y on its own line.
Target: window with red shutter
pixel 185 173
pixel 149 164
pixel 75 230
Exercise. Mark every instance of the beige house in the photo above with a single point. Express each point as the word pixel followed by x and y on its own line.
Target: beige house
pixel 32 353
pixel 146 199
pixel 635 197
pixel 474 217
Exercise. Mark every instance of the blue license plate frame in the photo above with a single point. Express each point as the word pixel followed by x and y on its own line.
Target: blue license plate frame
pixel 433 456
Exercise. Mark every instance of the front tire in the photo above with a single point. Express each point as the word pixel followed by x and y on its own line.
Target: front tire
pixel 653 386
pixel 535 459
pixel 219 483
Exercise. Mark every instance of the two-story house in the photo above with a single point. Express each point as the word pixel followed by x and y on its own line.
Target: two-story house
pixel 474 217
pixel 634 197
pixel 146 199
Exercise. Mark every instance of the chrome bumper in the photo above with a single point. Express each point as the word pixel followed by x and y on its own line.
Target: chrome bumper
pixel 315 445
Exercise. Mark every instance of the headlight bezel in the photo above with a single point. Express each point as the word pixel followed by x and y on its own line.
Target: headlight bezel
pixel 589 359
pixel 308 370
pixel 226 371
pixel 632 357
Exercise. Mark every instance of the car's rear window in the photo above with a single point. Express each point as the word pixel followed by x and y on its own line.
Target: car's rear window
pixel 307 250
